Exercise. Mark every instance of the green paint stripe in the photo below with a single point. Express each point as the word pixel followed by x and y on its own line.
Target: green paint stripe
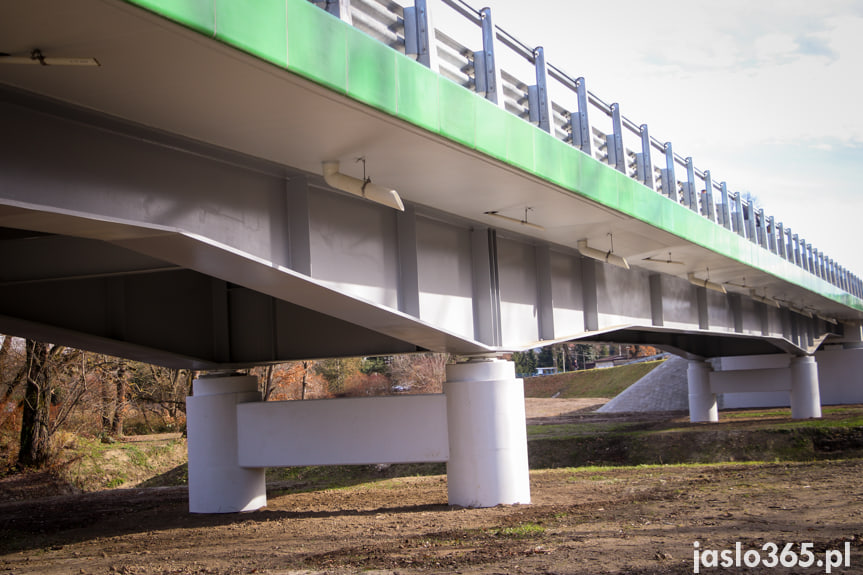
pixel 302 38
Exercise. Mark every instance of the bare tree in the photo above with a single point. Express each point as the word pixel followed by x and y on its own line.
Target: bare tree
pixel 421 373
pixel 120 401
pixel 45 367
pixel 160 389
pixel 11 375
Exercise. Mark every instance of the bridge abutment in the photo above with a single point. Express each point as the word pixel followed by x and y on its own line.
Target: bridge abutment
pixel 217 483
pixel 487 434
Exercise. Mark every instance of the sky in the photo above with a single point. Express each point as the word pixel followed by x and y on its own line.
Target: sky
pixel 767 95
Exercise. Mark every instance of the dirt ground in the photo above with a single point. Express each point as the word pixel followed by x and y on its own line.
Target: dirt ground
pixel 590 521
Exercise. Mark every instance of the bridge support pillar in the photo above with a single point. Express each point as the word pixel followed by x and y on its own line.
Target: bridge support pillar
pixel 217 484
pixel 487 434
pixel 702 401
pixel 805 395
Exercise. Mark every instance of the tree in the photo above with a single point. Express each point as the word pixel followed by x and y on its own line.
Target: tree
pixel 584 353
pixel 375 365
pixel 34 448
pixel 120 401
pixel 11 365
pixel 545 357
pixel 337 372
pixel 161 390
pixel 45 368
pixel 419 373
pixel 525 362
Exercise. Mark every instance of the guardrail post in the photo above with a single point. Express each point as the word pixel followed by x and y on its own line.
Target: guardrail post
pixel 789 248
pixel 537 95
pixel 341 9
pixel 726 209
pixel 825 262
pixel 669 180
pixel 708 207
pixel 752 228
pixel 614 141
pixel 738 203
pixel 486 71
pixel 804 259
pixel 644 165
pixel 763 224
pixel 780 241
pixel 578 122
pixel 795 249
pixel 690 199
pixel 419 34
pixel 771 234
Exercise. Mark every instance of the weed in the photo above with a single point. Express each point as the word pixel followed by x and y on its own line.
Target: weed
pixel 522 531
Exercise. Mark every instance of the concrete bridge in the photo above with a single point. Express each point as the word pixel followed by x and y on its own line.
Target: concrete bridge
pixel 209 186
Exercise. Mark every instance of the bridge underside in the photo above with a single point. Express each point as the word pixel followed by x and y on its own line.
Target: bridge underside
pixel 142 244
pixel 99 295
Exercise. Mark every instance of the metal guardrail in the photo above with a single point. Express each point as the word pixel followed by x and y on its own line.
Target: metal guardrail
pixel 517 77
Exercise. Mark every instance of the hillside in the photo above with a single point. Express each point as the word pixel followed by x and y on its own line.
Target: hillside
pixel 606 382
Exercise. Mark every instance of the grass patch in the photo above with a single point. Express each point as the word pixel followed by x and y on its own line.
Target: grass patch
pixel 90 464
pixel 850 422
pixel 576 429
pixel 756 414
pixel 606 382
pixel 522 531
pixel 321 477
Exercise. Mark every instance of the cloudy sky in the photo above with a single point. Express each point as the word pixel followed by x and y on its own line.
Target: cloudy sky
pixel 766 95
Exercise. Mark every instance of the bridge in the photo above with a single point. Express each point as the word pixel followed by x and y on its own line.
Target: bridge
pixel 203 185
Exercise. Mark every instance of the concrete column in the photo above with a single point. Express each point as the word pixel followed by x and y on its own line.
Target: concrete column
pixel 487 434
pixel 702 401
pixel 217 484
pixel 805 395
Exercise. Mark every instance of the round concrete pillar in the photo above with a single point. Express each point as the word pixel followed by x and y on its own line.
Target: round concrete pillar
pixel 487 435
pixel 702 401
pixel 216 483
pixel 805 395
